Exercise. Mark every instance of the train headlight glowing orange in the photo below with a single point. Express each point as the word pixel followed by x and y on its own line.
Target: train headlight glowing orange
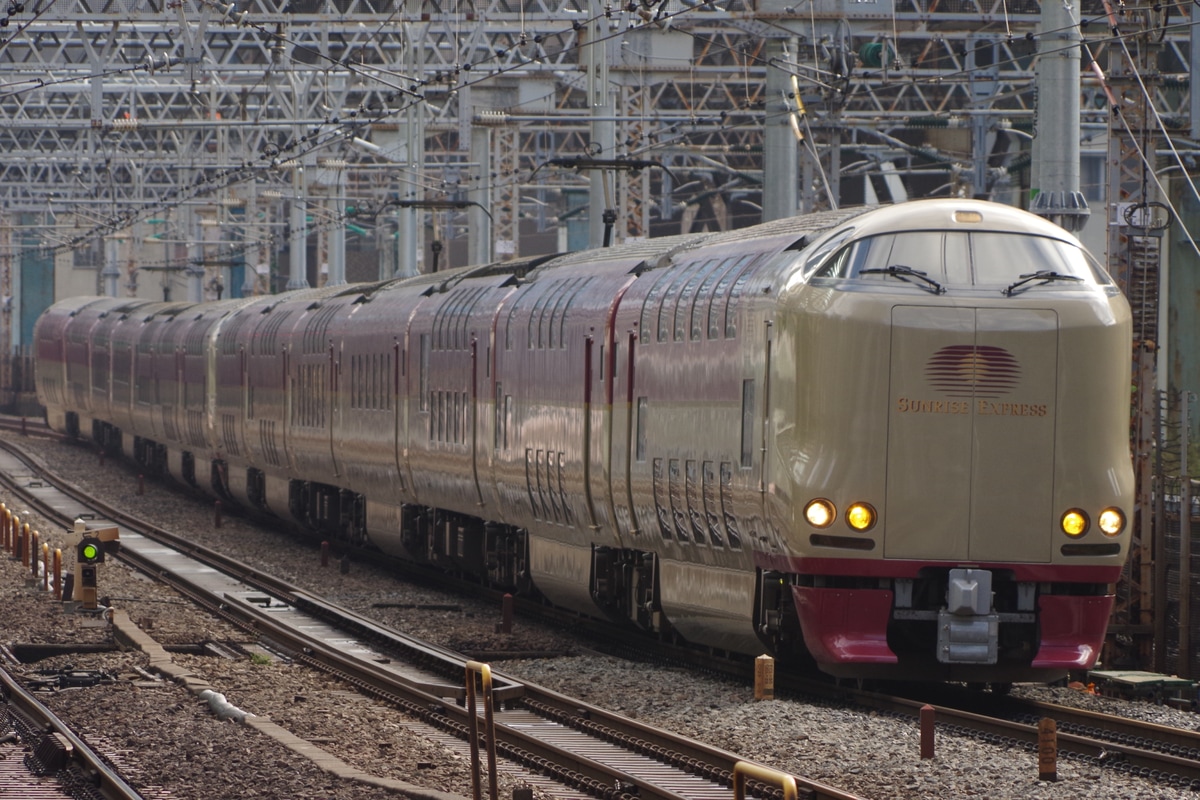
pixel 968 216
pixel 1074 523
pixel 860 516
pixel 1111 521
pixel 820 513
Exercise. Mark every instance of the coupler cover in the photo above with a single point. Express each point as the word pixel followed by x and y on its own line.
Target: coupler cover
pixel 968 633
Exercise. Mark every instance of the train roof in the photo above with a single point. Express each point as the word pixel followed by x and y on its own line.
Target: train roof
pixel 940 214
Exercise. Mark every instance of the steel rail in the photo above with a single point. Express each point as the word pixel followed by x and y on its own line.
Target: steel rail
pixel 657 765
pixel 56 748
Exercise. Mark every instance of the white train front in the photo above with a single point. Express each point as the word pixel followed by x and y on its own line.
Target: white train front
pixel 891 440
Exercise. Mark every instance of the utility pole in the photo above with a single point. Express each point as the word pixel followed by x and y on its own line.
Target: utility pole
pixel 602 204
pixel 1135 230
pixel 780 142
pixel 337 233
pixel 1056 145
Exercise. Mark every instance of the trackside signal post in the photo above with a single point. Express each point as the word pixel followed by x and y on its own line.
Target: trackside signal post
pixel 90 546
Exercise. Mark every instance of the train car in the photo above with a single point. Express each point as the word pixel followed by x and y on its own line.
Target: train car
pixel 893 441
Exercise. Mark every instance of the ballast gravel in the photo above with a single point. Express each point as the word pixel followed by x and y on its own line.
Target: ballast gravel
pixel 169 744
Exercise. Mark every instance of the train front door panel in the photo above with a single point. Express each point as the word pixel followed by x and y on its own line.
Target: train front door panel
pixel 992 392
pixel 1014 417
pixel 929 435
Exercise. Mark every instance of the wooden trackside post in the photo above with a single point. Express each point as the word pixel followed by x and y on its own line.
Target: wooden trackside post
pixel 764 678
pixel 927 731
pixel 1047 750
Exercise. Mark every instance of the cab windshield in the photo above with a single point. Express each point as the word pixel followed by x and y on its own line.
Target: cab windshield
pixel 954 259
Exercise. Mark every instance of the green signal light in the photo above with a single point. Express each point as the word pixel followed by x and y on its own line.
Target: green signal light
pixel 89 552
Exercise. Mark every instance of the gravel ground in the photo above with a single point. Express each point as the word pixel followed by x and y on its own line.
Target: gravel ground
pixel 189 753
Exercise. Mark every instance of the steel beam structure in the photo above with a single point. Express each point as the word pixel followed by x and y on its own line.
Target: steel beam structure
pixel 124 110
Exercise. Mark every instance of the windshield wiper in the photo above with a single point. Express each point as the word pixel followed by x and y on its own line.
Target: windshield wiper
pixel 902 272
pixel 1045 275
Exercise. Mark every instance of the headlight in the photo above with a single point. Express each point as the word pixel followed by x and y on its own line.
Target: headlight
pixel 1111 521
pixel 820 513
pixel 860 516
pixel 1075 523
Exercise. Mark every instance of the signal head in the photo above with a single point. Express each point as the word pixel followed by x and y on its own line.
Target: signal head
pixel 89 551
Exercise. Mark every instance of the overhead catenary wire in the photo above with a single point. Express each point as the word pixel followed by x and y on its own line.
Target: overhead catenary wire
pixel 333 131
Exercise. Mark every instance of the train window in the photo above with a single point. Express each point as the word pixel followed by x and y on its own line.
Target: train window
pixel 462 337
pixel 641 429
pixel 711 504
pixel 389 369
pixel 433 417
pixel 529 479
pixel 722 277
pixel 691 493
pixel 675 493
pixel 658 478
pixel 317 328
pixel 460 409
pixel 552 322
pixel 550 486
pixel 731 523
pixel 441 412
pixel 666 309
pixel 535 318
pixel 1001 259
pixel 817 257
pixel 839 265
pixel 735 294
pixel 562 493
pixel 508 415
pixel 682 301
pixel 562 320
pixel 497 420
pixel 443 416
pixel 366 393
pixel 984 259
pixel 651 304
pixel 956 258
pixel 699 302
pixel 748 422
pixel 423 374
pixel 557 312
pixel 229 336
pixel 508 328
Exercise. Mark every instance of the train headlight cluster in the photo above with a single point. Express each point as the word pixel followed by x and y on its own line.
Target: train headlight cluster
pixel 1111 521
pixel 820 513
pixel 860 516
pixel 1075 523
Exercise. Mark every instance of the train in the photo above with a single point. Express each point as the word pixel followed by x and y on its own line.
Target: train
pixel 892 441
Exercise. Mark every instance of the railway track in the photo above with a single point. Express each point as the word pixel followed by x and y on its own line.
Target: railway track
pixel 1157 752
pixel 46 759
pixel 583 747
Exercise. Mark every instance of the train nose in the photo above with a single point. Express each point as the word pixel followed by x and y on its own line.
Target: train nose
pixel 991 391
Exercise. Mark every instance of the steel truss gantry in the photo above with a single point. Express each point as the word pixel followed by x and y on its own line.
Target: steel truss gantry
pixel 120 111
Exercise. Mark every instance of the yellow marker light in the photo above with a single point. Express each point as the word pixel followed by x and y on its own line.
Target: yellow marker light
pixel 860 516
pixel 968 216
pixel 820 513
pixel 1111 521
pixel 1074 523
